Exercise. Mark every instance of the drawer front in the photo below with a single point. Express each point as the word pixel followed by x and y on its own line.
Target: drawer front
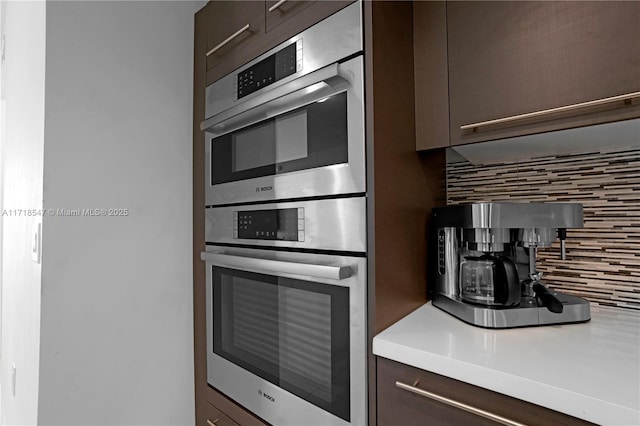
pixel 400 406
pixel 228 408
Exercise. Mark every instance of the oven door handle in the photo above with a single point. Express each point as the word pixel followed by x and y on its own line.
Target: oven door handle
pixel 306 89
pixel 278 267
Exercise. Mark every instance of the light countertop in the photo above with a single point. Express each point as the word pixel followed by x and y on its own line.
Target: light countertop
pixel 590 370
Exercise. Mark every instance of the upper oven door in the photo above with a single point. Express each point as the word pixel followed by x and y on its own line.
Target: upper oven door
pixel 304 138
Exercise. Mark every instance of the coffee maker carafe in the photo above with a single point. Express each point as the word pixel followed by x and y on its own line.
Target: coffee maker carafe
pixel 489 280
pixel 485 269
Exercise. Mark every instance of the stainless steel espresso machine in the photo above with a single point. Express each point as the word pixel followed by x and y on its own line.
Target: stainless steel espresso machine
pixel 485 271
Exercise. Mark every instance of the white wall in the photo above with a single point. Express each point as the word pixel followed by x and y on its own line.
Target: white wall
pixel 22 158
pixel 117 335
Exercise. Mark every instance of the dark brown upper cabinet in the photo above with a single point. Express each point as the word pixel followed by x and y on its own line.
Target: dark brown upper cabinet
pixel 239 31
pixel 233 34
pixel 519 68
pixel 279 11
pixel 431 74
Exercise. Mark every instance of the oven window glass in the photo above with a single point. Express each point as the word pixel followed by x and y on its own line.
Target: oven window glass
pixel 292 333
pixel 280 141
pixel 311 136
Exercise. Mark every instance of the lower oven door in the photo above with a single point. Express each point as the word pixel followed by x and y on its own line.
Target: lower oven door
pixel 286 334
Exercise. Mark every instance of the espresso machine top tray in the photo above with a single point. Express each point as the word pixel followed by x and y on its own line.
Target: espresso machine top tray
pixel 510 215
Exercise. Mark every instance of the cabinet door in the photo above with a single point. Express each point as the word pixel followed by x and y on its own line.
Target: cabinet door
pixel 288 18
pixel 513 58
pixel 430 74
pixel 235 32
pixel 397 406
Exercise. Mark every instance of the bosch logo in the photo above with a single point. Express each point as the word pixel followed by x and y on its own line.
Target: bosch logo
pixel 264 188
pixel 266 395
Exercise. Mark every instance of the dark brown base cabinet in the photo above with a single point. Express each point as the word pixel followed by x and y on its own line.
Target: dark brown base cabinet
pixel 398 406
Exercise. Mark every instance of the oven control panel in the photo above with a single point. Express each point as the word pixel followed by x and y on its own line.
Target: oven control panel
pixel 273 224
pixel 275 67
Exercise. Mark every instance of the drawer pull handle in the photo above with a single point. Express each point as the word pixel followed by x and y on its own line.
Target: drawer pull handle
pixel 459 405
pixel 277 5
pixel 213 423
pixel 227 40
pixel 627 99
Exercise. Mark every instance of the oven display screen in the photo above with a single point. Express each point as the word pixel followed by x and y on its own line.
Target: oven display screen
pixel 275 224
pixel 276 67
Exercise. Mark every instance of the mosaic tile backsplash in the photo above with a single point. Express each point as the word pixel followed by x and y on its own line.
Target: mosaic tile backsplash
pixel 603 258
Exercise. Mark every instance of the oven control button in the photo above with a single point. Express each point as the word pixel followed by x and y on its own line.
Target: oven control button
pixel 300 235
pixel 300 224
pixel 300 212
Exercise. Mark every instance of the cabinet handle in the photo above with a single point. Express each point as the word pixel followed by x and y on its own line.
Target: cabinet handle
pixel 460 405
pixel 228 39
pixel 213 423
pixel 627 98
pixel 277 5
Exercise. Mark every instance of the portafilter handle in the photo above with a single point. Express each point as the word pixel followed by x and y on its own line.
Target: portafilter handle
pixel 548 299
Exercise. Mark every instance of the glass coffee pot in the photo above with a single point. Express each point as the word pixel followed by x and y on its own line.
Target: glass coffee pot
pixel 489 280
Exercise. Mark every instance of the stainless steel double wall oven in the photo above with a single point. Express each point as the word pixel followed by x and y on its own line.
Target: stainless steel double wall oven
pixel 286 229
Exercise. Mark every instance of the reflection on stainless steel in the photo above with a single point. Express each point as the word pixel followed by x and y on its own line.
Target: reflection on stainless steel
pixel 495 234
pixel 486 239
pixel 537 237
pixel 450 261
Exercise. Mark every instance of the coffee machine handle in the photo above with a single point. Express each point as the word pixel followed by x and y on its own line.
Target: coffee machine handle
pixel 548 299
pixel 512 281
